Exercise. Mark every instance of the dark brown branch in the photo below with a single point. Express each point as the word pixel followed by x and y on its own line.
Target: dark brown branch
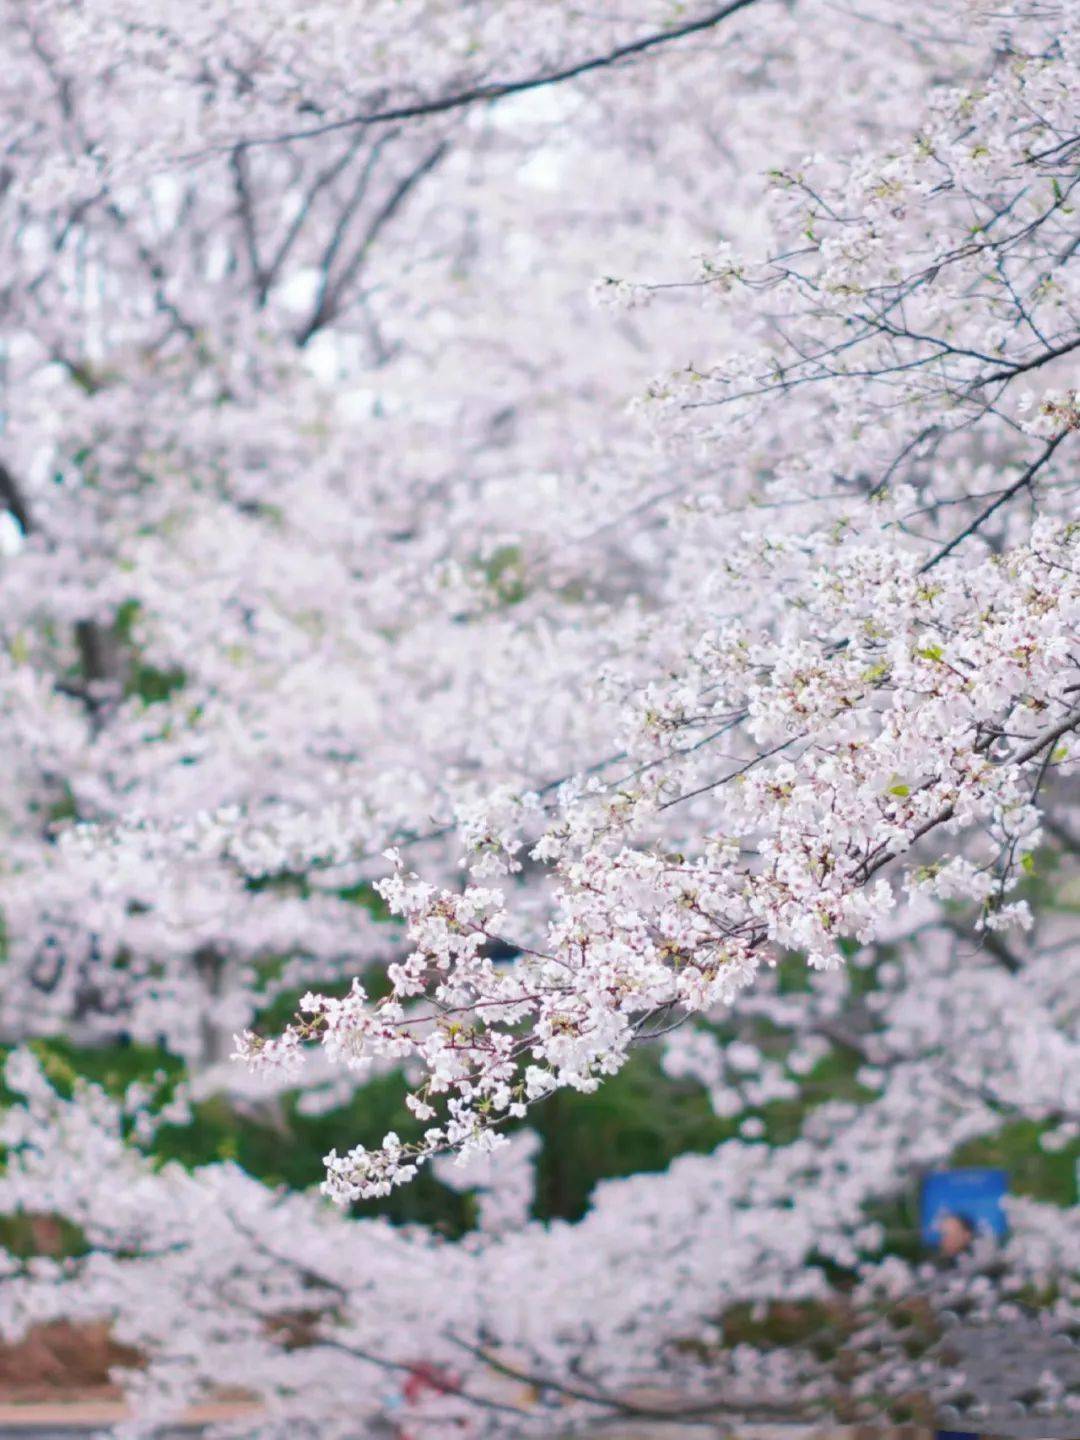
pixel 402 1367
pixel 695 1409
pixel 322 309
pixel 1029 752
pixel 498 89
pixel 324 179
pixel 247 216
pixel 1003 499
pixel 13 500
pixel 330 293
pixel 1022 368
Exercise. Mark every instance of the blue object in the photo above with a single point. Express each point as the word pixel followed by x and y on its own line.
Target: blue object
pixel 973 1196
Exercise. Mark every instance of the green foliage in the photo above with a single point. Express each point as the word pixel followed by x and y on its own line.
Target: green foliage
pixel 504 571
pixel 114 1067
pixel 639 1120
pixel 296 882
pixel 793 975
pixel 152 685
pixel 802 1322
pixel 1033 1171
pixel 63 808
pixel 281 1146
pixel 22 1235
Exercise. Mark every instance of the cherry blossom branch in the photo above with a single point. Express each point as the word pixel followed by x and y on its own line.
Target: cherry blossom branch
pixel 1003 499
pixel 1045 741
pixel 498 89
pixel 674 1413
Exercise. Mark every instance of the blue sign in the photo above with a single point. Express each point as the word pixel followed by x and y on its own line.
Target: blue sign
pixel 958 1205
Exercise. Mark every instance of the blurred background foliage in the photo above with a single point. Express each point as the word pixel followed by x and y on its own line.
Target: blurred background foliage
pixel 639 1120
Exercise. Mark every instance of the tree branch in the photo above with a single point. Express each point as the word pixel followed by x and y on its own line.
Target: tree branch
pixel 498 89
pixel 12 498
pixel 1003 499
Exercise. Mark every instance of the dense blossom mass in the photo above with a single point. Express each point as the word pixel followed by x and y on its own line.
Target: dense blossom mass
pixel 535 534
